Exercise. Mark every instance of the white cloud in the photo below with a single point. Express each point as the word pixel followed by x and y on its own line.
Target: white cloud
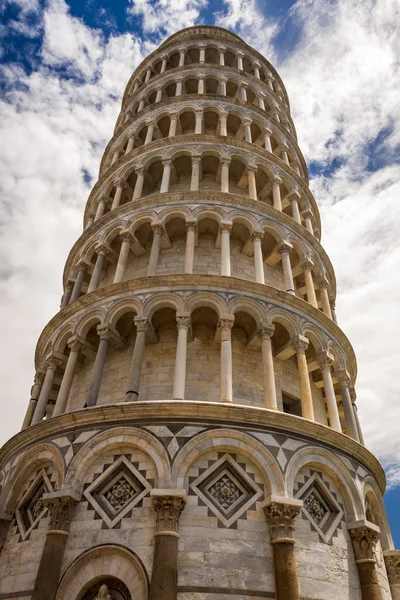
pixel 164 17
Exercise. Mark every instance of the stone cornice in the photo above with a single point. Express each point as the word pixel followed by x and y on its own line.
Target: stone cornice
pixel 187 198
pixel 206 98
pixel 194 412
pixel 170 42
pixel 185 140
pixel 217 283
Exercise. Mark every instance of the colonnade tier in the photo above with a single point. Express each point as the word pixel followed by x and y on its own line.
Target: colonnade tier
pixel 225 165
pixel 208 81
pixel 247 327
pixel 220 117
pixel 231 53
pixel 189 238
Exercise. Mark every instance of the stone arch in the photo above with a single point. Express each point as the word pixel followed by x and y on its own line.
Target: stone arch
pixel 121 308
pixel 236 441
pixel 332 466
pixel 62 336
pixel 247 305
pixel 40 454
pixel 111 439
pixel 206 299
pixel 316 336
pixel 162 301
pixel 89 320
pixel 173 212
pixel 246 219
pixel 112 232
pixel 338 354
pixel 215 213
pixel 286 319
pixel 371 493
pixel 107 560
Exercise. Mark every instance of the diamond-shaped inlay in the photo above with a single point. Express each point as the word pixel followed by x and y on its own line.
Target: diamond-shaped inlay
pixel 31 508
pixel 320 506
pixel 116 491
pixel 227 489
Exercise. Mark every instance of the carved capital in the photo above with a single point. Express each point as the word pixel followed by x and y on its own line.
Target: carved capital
pixel 392 562
pixel 325 360
pixel 280 518
pixel 168 509
pixel 102 249
pixel 284 248
pixel 142 324
pixel 343 377
pixel 166 162
pixel 191 226
pixel 157 228
pixel 196 160
pixel 52 363
pixel 183 321
pixel 307 263
pixel 61 510
pixel 364 540
pixel 39 378
pixel 225 325
pixel 247 121
pixel 276 180
pixel 119 182
pixel 225 227
pixel 126 236
pixel 257 235
pixel 300 343
pixel 75 345
pixel 106 332
pixel 225 162
pixel 266 332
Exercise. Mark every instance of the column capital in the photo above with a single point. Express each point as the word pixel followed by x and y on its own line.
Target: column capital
pixel 199 111
pixel 257 235
pixel 173 117
pixel 353 394
pixel 247 121
pixel 150 121
pixel 280 514
pixel 244 84
pixel 322 283
pixel 61 507
pixel 157 228
pixel 53 362
pixel 343 377
pixel 325 360
pixel 284 248
pixel 240 53
pixel 257 64
pixel 166 162
pixel 267 131
pixel 183 321
pixel 225 227
pixel 196 159
pixel 142 324
pixel 126 236
pixel 307 263
pixel 139 170
pixel 300 343
pixel 168 505
pixel 76 343
pixel 252 169
pixel 307 213
pixel 225 161
pixel 39 377
pixel 225 326
pixel 364 539
pixel 276 179
pixel 222 48
pixel 392 562
pixel 119 181
pixel 223 113
pixel 266 332
pixel 82 265
pixel 191 226
pixel 102 249
pixel 107 332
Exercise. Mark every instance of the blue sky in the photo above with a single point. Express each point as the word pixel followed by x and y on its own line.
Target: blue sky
pixel 64 66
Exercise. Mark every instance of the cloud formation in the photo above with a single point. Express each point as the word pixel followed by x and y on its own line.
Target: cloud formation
pixel 342 78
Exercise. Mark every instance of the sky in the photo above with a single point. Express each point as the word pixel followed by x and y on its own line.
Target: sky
pixel 63 69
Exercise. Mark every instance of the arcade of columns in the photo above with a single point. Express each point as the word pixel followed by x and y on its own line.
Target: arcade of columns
pixel 199 295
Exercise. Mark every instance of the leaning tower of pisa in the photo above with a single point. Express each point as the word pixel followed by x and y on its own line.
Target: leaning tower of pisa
pixel 192 432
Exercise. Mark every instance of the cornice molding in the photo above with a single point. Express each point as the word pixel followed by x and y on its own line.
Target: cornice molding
pixel 188 411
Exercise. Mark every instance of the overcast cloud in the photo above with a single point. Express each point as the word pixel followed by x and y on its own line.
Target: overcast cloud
pixel 342 75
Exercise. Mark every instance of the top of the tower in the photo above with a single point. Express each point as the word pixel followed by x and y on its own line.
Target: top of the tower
pixel 203 30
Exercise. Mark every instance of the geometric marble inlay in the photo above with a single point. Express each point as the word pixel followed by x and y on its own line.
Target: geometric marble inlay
pixel 31 508
pixel 116 491
pixel 320 507
pixel 226 489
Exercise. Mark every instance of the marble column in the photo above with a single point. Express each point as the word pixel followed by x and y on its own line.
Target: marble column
pixel 284 154
pixel 300 344
pixel 200 88
pixel 35 392
pixel 61 508
pixel 344 380
pixel 164 60
pixel 257 237
pixel 353 397
pixel 141 105
pixel 247 130
pixel 126 238
pixel 265 334
pixel 202 55
pixel 198 121
pixel 167 164
pixel 364 539
pixel 280 514
pixel 51 366
pixel 223 83
pixel 222 51
pixel 120 184
pixel 190 244
pixel 239 56
pixel 225 326
pixel 392 562
pixel 326 305
pixel 183 325
pixel 256 69
pixel 100 208
pixel 307 216
pixel 168 504
pixel 98 267
pixel 158 94
pixel 325 361
pixel 137 192
pixel 115 156
pixel 195 178
pixel 76 292
pixel 173 122
pixel 149 133
pixel 251 174
pixel 142 326
pixel 294 201
pixel 223 116
pixel 67 294
pixel 148 75
pixel 224 164
pixel 98 367
pixel 182 52
pixel 155 249
pixel 75 346
pixel 225 229
pixel 261 101
pixel 284 250
pixel 307 266
pixel 243 92
pixel 276 192
pixel 179 87
pixel 268 147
